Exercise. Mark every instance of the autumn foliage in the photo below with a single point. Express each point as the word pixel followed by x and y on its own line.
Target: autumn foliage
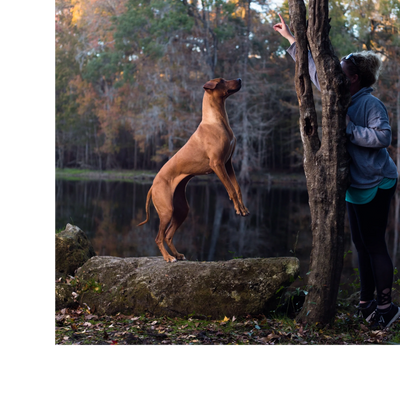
pixel 129 77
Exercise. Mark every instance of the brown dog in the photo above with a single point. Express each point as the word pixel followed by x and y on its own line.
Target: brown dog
pixel 208 150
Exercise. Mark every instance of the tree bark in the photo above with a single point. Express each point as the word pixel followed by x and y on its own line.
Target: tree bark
pixel 244 175
pixel 326 163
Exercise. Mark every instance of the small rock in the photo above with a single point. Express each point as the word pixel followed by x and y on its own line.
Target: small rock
pixel 73 249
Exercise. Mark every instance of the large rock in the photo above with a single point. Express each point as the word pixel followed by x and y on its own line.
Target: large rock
pixel 73 249
pixel 65 296
pixel 210 289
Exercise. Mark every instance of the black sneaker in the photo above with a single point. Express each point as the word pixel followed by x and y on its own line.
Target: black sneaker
pixel 385 319
pixel 367 310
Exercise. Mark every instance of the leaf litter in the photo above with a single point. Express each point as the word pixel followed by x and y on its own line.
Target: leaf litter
pixel 80 327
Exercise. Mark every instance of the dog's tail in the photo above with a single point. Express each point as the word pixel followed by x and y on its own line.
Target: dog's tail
pixel 147 207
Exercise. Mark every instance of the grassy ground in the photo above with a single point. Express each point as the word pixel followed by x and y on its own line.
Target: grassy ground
pixel 148 176
pixel 81 327
pixel 114 175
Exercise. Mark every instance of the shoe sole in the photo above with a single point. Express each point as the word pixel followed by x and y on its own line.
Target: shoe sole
pixel 394 318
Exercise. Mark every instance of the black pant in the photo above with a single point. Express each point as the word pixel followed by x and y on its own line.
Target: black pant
pixel 368 226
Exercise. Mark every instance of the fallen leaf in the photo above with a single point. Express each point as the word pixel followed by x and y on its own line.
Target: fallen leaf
pixel 91 316
pixel 272 336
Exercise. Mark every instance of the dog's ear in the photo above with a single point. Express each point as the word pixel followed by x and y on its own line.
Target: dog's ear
pixel 210 85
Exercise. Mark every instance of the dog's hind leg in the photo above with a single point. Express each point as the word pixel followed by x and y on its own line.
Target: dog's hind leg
pixel 162 200
pixel 180 212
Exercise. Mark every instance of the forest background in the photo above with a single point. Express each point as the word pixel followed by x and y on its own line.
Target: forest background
pixel 129 77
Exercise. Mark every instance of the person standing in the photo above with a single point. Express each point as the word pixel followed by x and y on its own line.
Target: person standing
pixel 373 180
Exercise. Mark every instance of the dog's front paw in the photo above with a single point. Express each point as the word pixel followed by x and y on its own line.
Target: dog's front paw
pixel 244 211
pixel 180 257
pixel 170 259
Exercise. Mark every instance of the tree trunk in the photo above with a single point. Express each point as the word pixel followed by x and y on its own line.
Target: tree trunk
pixel 325 162
pixel 244 175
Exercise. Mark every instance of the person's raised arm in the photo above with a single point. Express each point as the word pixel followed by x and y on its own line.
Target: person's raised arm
pixel 283 29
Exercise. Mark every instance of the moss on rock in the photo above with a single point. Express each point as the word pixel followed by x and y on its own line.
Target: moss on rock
pixel 211 289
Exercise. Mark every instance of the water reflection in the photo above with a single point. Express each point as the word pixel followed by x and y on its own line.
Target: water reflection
pixel 279 223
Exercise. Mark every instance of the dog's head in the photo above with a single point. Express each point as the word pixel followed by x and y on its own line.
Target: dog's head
pixel 223 88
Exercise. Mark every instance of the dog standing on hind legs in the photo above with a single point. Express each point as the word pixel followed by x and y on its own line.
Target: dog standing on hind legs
pixel 209 150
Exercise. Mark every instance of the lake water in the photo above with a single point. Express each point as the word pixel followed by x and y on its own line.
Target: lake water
pixel 278 226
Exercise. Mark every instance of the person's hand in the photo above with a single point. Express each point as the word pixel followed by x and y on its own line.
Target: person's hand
pixel 283 29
